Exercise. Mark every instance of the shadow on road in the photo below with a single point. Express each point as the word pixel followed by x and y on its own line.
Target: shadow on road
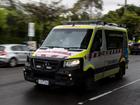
pixel 7 66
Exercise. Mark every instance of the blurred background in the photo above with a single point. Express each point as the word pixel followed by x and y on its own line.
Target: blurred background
pixel 15 16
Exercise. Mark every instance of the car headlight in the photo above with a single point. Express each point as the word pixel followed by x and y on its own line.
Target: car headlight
pixel 71 63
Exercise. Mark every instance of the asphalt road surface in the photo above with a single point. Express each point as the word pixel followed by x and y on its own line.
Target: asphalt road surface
pixel 14 90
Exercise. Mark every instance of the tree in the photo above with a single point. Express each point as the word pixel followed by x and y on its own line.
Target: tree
pixel 13 26
pixel 87 6
pixel 3 25
pixel 3 15
pixel 17 23
pixel 10 3
pixel 45 16
pixel 14 21
pixel 131 19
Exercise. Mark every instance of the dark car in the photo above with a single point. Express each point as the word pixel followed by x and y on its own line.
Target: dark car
pixel 135 48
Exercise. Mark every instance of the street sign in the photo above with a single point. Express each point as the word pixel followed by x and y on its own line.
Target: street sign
pixel 32 45
pixel 31 29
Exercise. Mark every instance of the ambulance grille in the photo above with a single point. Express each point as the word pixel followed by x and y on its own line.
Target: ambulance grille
pixel 46 65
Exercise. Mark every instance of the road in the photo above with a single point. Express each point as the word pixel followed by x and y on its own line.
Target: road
pixel 15 91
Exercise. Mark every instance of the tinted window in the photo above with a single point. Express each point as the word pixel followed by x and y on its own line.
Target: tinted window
pixel 97 42
pixel 16 48
pixel 114 39
pixel 68 38
pixel 24 48
pixel 2 48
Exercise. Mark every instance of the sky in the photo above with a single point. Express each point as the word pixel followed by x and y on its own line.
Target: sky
pixel 107 6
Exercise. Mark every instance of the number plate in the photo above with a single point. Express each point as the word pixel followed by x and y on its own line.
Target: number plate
pixel 43 82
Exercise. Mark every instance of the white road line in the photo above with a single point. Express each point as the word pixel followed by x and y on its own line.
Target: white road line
pixel 99 96
pixel 109 92
pixel 80 103
pixel 126 85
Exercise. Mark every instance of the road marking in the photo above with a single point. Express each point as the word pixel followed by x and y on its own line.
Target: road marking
pixel 109 92
pixel 126 85
pixel 99 96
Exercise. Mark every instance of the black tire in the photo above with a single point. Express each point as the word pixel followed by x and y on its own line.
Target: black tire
pixel 12 62
pixel 89 84
pixel 85 84
pixel 121 72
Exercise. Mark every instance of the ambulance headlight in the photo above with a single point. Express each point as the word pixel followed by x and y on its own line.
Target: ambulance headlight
pixel 71 63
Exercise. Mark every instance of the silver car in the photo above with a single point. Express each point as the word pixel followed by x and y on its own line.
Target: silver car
pixel 13 54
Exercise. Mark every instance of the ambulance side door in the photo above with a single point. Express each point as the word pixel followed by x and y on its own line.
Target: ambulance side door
pixel 114 42
pixel 97 59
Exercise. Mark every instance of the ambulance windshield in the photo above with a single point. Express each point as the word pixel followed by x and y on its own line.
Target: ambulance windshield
pixel 68 38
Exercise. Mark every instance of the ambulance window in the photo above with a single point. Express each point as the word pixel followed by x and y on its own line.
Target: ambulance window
pixel 86 39
pixel 114 39
pixel 68 38
pixel 97 42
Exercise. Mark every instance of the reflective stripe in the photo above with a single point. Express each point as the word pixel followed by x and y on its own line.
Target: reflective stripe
pixel 98 54
pixel 89 66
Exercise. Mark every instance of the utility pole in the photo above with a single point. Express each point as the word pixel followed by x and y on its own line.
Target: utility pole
pixel 125 7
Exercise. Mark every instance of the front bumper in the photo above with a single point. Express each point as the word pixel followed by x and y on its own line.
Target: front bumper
pixel 52 70
pixel 60 78
pixel 4 61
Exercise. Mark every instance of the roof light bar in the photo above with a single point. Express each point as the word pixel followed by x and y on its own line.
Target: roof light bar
pixel 92 22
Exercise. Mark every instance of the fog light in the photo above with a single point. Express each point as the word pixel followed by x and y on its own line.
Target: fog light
pixel 70 78
pixel 69 75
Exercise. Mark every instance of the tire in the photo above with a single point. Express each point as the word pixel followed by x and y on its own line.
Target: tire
pixel 89 84
pixel 85 84
pixel 12 62
pixel 121 72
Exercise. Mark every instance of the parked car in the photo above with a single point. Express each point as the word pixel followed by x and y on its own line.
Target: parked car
pixel 13 54
pixel 135 48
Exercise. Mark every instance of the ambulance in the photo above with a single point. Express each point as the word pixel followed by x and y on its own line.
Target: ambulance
pixel 79 54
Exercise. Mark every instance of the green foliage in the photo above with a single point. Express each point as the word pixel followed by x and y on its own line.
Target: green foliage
pixel 131 18
pixel 14 22
pixel 86 9
pixel 14 26
pixel 3 16
pixel 86 4
pixel 14 19
pixel 45 17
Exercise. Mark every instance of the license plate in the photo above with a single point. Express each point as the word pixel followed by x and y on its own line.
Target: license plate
pixel 43 82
